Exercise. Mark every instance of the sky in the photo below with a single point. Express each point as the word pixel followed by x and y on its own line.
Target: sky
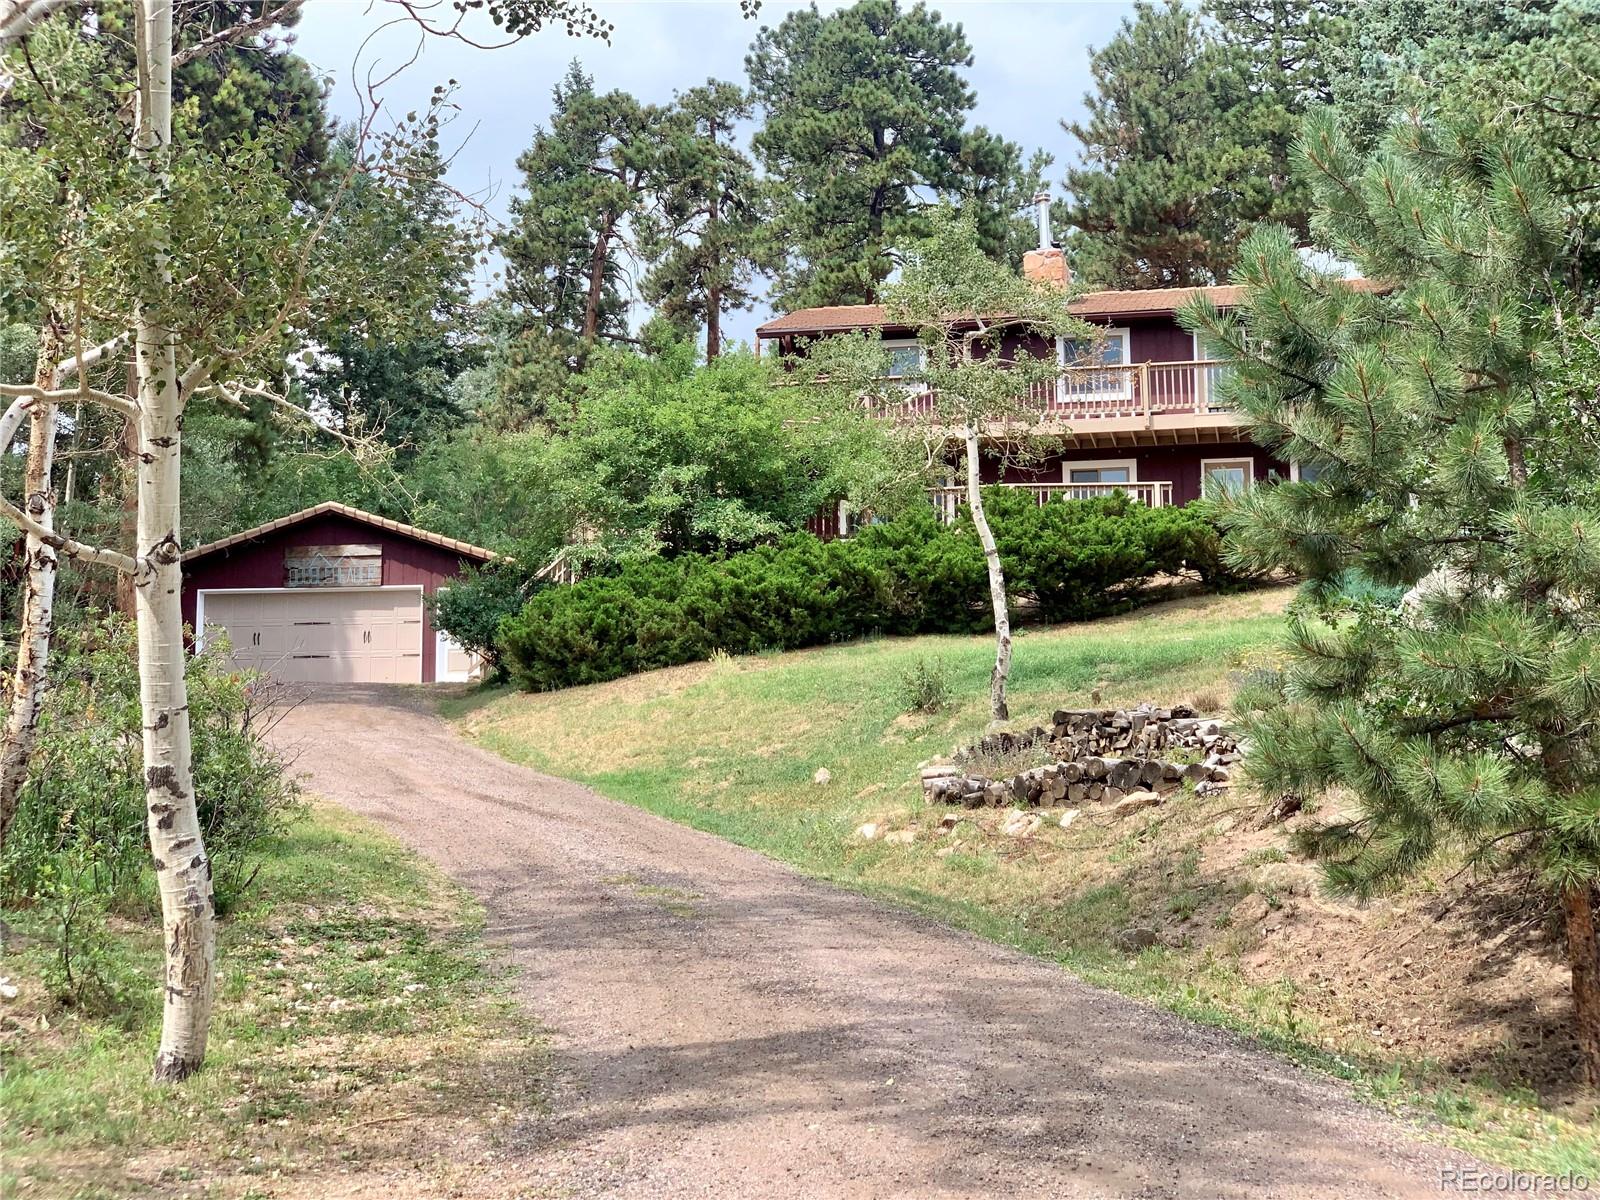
pixel 1030 71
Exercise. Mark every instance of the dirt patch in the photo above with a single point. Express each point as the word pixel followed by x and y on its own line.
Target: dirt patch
pixel 1448 972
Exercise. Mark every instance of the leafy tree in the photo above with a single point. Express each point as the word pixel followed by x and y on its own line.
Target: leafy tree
pixel 1468 718
pixel 1153 203
pixel 865 112
pixel 703 240
pixel 965 308
pixel 387 365
pixel 662 456
pixel 199 258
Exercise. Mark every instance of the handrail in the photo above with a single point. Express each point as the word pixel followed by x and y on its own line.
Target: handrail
pixel 1138 391
pixel 947 501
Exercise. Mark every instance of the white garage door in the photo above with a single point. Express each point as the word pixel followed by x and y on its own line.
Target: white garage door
pixel 365 635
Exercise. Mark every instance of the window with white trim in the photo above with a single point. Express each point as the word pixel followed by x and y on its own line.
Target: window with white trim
pixel 1110 470
pixel 1226 475
pixel 905 357
pixel 1110 348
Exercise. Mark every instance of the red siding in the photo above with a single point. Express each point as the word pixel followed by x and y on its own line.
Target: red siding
pixel 259 564
pixel 1177 465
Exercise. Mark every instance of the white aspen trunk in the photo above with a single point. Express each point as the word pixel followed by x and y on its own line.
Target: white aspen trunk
pixel 183 873
pixel 39 592
pixel 997 584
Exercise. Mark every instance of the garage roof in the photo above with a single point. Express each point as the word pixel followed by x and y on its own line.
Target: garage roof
pixel 466 549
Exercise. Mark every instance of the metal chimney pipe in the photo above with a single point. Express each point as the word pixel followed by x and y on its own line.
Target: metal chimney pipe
pixel 1041 203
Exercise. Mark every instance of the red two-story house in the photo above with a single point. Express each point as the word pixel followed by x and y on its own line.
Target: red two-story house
pixel 1138 411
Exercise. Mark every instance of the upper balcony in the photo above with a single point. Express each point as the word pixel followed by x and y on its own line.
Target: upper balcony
pixel 1113 398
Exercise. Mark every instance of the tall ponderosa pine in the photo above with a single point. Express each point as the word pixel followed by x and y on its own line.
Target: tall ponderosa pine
pixel 1467 718
pixel 1152 204
pixel 703 234
pixel 865 124
pixel 1288 49
pixel 587 177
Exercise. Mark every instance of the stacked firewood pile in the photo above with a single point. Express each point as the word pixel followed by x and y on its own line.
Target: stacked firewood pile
pixel 1102 755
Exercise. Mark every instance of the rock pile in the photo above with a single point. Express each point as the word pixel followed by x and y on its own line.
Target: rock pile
pixel 1103 756
pixel 1142 732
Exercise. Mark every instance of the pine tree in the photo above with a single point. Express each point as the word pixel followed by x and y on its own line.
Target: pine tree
pixel 865 111
pixel 1152 204
pixel 586 178
pixel 1288 48
pixel 1435 420
pixel 703 234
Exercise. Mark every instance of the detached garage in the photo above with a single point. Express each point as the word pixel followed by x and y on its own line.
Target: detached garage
pixel 330 595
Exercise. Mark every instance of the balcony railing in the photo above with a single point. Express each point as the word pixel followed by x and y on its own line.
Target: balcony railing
pixel 1079 395
pixel 947 501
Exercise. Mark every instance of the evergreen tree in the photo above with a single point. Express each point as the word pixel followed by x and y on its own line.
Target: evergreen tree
pixel 1154 203
pixel 1287 48
pixel 865 112
pixel 703 237
pixel 587 178
pixel 1537 63
pixel 1437 425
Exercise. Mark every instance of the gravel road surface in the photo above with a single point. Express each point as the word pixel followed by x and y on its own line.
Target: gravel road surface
pixel 726 1027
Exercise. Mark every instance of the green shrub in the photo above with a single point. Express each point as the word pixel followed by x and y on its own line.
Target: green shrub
pixel 80 825
pixel 912 575
pixel 471 608
pixel 925 686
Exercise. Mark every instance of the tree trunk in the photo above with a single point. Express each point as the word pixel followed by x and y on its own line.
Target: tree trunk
pixel 597 283
pixel 1583 955
pixel 997 584
pixel 713 323
pixel 128 525
pixel 183 875
pixel 39 592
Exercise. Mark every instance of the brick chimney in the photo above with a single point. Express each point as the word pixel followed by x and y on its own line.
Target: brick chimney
pixel 1047 264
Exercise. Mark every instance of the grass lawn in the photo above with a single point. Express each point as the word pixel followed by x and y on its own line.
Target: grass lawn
pixel 361 1040
pixel 732 746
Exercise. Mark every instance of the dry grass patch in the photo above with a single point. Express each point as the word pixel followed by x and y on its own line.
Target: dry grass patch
pixel 1476 1034
pixel 362 1045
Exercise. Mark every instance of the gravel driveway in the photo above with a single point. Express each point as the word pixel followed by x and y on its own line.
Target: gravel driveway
pixel 726 1027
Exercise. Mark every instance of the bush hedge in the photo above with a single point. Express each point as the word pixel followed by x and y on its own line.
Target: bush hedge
pixel 912 575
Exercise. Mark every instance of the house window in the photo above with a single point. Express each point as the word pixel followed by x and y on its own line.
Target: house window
pixel 1224 475
pixel 1305 472
pixel 905 357
pixel 1113 470
pixel 1083 360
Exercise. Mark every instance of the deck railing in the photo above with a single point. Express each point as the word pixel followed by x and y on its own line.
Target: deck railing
pixel 947 501
pixel 1139 391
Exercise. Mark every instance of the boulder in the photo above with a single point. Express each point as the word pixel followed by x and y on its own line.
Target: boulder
pixel 1068 817
pixel 901 837
pixel 1021 824
pixel 869 831
pixel 1134 802
pixel 823 777
pixel 1137 937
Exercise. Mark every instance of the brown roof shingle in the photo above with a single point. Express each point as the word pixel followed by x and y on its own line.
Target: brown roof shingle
pixel 1130 303
pixel 466 549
